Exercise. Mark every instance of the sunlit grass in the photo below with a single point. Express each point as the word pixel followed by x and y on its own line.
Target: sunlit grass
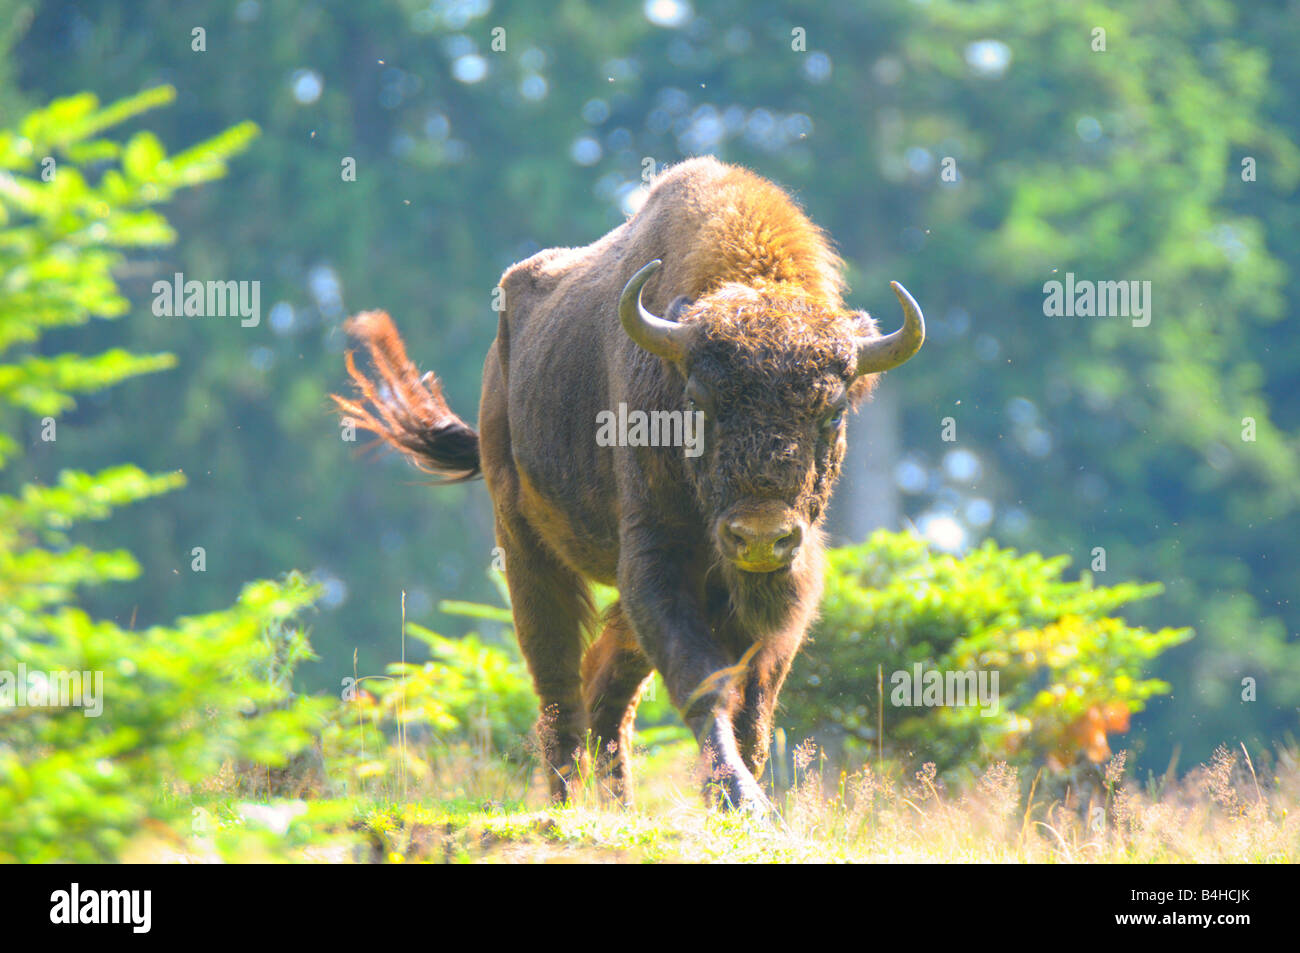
pixel 473 807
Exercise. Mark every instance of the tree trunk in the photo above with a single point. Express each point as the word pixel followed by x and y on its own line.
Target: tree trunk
pixel 867 498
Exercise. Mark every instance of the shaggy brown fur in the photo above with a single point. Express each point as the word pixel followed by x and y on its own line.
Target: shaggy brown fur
pixel 771 365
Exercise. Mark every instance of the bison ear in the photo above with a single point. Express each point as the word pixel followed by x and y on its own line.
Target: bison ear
pixel 861 389
pixel 862 386
pixel 678 308
pixel 864 325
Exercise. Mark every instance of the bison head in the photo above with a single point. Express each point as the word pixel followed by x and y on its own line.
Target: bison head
pixel 773 371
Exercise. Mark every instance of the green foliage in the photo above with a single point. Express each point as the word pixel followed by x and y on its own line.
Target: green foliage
pixel 1069 672
pixel 1119 164
pixel 133 715
pixel 469 691
pixel 1067 669
pixel 412 729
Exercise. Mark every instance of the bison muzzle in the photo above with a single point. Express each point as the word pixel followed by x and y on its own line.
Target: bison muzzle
pixel 718 299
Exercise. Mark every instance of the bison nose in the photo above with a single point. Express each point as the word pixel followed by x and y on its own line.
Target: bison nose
pixel 756 544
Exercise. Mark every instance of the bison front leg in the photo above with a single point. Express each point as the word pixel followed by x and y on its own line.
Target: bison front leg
pixel 665 611
pixel 763 679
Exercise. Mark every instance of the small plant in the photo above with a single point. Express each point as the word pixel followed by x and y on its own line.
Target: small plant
pixel 1068 673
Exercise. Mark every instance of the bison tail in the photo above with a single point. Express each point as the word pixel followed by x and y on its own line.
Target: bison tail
pixel 405 410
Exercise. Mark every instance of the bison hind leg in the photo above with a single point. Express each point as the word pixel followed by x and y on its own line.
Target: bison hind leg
pixel 553 612
pixel 614 671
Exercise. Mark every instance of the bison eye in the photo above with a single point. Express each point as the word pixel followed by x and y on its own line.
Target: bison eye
pixel 832 421
pixel 697 399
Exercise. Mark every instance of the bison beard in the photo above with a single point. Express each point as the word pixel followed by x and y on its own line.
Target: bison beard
pixel 717 558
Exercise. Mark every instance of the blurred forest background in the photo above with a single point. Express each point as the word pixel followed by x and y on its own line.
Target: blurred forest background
pixel 1162 151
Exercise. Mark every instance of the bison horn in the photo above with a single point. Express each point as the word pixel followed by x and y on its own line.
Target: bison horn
pixel 667 339
pixel 881 354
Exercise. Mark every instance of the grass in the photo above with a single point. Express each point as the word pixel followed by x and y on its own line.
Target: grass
pixel 474 808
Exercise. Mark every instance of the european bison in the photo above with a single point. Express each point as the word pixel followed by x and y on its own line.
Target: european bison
pixel 717 554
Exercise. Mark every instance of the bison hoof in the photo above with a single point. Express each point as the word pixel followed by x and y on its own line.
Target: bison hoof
pixel 737 791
